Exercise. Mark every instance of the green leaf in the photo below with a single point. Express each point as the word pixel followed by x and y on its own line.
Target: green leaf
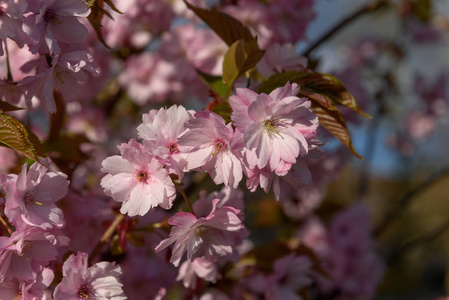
pixel 17 136
pixel 215 83
pixel 326 92
pixel 225 26
pixel 240 57
pixel 5 107
pixel 224 110
pixel 115 246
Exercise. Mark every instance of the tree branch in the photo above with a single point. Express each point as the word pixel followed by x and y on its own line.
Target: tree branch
pixel 405 200
pixel 366 9
pixel 106 238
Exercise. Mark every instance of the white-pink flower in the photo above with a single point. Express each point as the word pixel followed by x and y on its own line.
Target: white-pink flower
pixel 211 236
pixel 276 127
pixel 160 132
pixel 31 197
pixel 200 267
pixel 55 21
pixel 211 148
pixel 137 179
pixel 98 282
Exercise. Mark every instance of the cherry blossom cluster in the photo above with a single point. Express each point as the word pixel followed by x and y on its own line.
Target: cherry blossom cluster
pixel 58 57
pixel 25 256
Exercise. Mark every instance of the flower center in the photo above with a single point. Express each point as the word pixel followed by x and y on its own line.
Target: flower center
pixel 86 291
pixel 273 125
pixel 52 17
pixel 219 146
pixel 203 232
pixel 31 199
pixel 142 176
pixel 173 148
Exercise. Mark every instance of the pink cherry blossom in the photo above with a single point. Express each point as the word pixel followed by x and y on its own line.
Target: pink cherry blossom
pixel 33 289
pixel 160 132
pixel 291 274
pixel 137 179
pixel 63 72
pixel 211 148
pixel 281 58
pixel 211 236
pixel 31 197
pixel 11 20
pixel 200 267
pixel 25 253
pixel 100 281
pixel 54 21
pixel 276 127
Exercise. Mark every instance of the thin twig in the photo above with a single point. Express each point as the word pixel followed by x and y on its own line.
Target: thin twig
pixel 405 200
pixel 3 221
pixel 366 9
pixel 417 242
pixel 106 238
pixel 8 67
pixel 185 198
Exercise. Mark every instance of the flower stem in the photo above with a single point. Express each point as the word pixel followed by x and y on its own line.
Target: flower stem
pixel 106 238
pixel 6 225
pixel 185 198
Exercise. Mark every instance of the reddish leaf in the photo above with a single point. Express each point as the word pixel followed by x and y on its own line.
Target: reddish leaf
pixel 226 27
pixel 18 137
pixel 5 107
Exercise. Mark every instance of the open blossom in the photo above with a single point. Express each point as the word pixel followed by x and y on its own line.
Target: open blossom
pixel 211 148
pixel 54 21
pixel 214 235
pixel 291 274
pixel 32 289
pixel 31 196
pixel 200 267
pixel 98 282
pixel 276 127
pixel 25 253
pixel 160 132
pixel 137 179
pixel 63 72
pixel 281 58
pixel 11 19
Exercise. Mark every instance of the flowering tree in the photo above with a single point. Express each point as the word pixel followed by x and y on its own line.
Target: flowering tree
pixel 135 136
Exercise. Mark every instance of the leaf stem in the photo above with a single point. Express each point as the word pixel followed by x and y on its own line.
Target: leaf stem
pixel 3 221
pixel 183 194
pixel 366 9
pixel 106 238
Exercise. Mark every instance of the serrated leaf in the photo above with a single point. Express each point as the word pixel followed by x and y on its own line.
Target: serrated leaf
pixel 323 88
pixel 226 27
pixel 18 137
pixel 97 11
pixel 5 107
pixel 334 122
pixel 240 57
pixel 215 83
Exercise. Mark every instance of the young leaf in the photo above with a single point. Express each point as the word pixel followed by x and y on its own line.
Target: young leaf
pixel 240 57
pixel 97 11
pixel 18 137
pixel 334 122
pixel 5 107
pixel 225 26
